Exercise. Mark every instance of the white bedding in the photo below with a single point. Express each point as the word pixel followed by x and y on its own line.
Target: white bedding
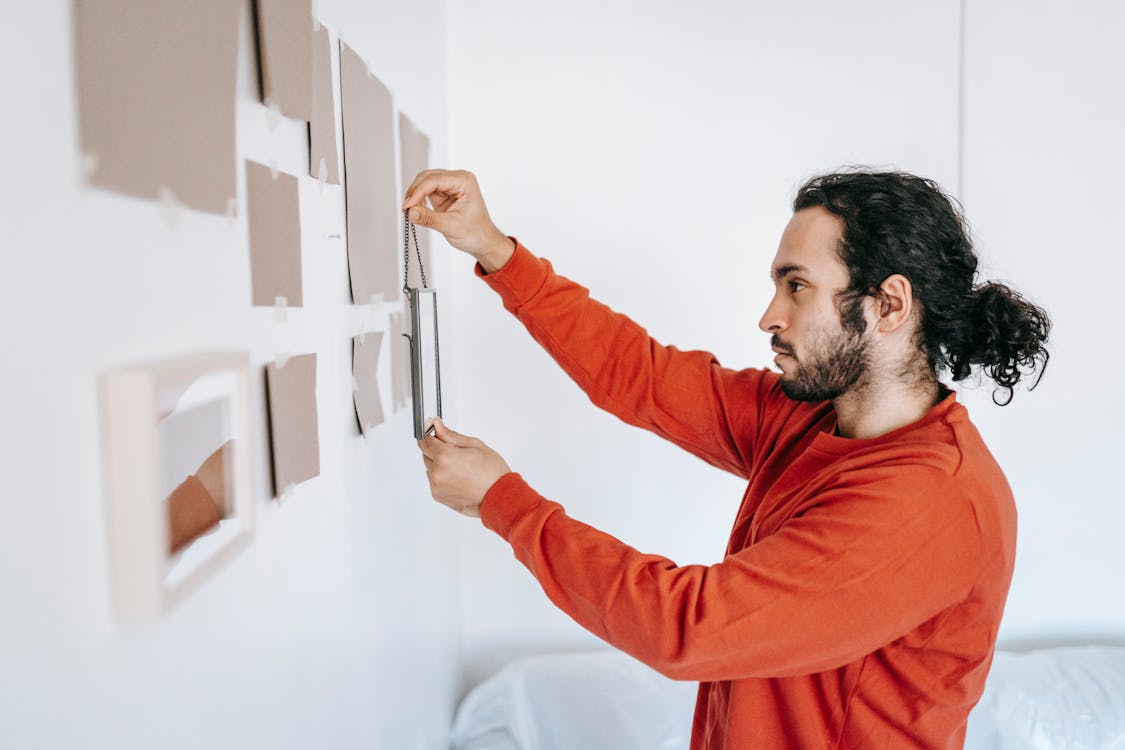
pixel 1052 699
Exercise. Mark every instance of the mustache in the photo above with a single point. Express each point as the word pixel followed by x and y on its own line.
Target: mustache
pixel 775 341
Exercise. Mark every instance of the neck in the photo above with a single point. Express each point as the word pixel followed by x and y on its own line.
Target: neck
pixel 875 408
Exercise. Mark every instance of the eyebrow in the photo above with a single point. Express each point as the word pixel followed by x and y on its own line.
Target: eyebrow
pixel 782 271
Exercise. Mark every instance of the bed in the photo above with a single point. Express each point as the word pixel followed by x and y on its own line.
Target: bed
pixel 1067 698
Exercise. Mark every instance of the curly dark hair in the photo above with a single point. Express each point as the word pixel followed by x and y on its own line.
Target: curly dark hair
pixel 896 222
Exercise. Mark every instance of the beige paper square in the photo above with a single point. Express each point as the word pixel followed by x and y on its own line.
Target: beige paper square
pixel 415 158
pixel 365 369
pixel 285 34
pixel 323 154
pixel 274 217
pixel 291 393
pixel 156 98
pixel 373 215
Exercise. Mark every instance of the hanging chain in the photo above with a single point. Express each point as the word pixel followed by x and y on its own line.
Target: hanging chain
pixel 408 231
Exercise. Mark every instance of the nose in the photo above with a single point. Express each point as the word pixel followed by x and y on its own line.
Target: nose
pixel 773 319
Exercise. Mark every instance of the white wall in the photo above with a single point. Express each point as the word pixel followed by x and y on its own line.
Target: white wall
pixel 651 150
pixel 338 627
pixel 1044 118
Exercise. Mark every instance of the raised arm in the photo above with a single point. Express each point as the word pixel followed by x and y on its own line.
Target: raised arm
pixel 858 570
pixel 683 396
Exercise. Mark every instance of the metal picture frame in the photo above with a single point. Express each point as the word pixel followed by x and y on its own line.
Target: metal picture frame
pixel 425 359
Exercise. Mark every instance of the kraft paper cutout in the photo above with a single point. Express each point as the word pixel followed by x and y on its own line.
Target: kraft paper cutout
pixel 156 98
pixel 373 215
pixel 365 368
pixel 415 158
pixel 274 218
pixel 285 48
pixel 291 393
pixel 323 154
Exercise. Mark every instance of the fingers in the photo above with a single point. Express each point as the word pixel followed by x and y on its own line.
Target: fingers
pixel 451 183
pixel 431 447
pixel 448 436
pixel 426 217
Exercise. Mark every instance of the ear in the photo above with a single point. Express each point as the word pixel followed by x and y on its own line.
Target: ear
pixel 894 303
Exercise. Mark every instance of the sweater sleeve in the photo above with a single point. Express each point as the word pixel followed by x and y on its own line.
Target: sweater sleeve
pixel 864 566
pixel 683 396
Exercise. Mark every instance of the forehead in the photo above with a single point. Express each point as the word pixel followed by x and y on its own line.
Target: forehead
pixel 809 242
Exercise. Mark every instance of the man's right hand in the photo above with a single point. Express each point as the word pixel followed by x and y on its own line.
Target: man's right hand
pixel 459 213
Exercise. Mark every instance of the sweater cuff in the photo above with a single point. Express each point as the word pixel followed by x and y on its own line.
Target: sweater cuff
pixel 506 501
pixel 520 279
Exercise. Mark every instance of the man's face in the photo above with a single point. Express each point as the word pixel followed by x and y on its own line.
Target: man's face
pixel 819 359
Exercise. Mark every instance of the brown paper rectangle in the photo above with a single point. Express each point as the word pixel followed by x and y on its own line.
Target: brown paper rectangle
pixel 373 216
pixel 415 158
pixel 365 388
pixel 285 47
pixel 291 393
pixel 324 157
pixel 274 216
pixel 156 97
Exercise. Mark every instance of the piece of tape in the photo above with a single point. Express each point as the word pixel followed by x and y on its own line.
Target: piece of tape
pixel 274 172
pixel 355 385
pixel 88 165
pixel 287 493
pixel 232 209
pixel 281 360
pixel 273 116
pixel 322 171
pixel 280 309
pixel 170 207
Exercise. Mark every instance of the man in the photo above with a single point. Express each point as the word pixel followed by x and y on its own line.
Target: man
pixel 866 573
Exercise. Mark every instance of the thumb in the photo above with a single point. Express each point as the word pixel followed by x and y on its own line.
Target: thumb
pixel 424 216
pixel 448 436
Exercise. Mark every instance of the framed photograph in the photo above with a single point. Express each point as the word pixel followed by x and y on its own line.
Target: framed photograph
pixel 176 444
pixel 425 359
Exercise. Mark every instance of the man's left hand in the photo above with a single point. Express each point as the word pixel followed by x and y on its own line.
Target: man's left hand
pixel 461 469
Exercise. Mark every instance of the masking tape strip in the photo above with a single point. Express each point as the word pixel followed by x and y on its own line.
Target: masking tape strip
pixel 273 116
pixel 280 309
pixel 281 360
pixel 88 164
pixel 170 207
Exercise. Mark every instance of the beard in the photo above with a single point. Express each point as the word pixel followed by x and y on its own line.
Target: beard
pixel 832 364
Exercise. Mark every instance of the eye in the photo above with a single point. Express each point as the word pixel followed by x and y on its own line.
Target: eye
pixel 796 286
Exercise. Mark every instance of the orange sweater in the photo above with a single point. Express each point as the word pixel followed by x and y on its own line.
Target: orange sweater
pixel 858 602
